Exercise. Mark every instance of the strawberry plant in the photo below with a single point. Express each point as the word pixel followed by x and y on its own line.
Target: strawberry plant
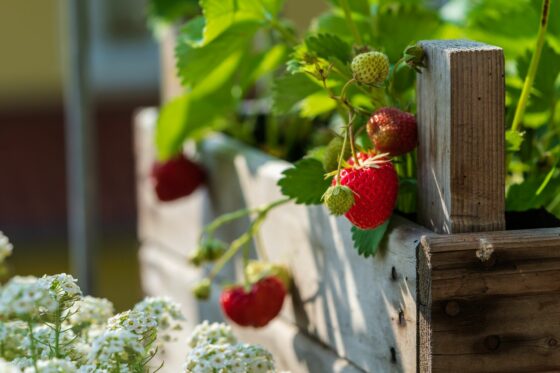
pixel 344 93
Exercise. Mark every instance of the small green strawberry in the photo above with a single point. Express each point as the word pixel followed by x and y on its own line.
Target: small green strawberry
pixel 332 152
pixel 370 68
pixel 202 289
pixel 209 250
pixel 339 199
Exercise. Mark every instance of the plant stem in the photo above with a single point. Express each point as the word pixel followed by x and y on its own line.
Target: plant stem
pixel 351 117
pixel 57 327
pixel 341 155
pixel 533 67
pixel 348 15
pixel 33 348
pixel 245 237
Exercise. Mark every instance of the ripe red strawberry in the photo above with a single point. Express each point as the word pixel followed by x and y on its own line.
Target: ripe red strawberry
pixel 178 177
pixel 258 306
pixel 375 190
pixel 393 131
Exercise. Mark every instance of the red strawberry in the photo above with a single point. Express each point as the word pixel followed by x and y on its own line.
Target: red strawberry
pixel 178 177
pixel 375 188
pixel 258 306
pixel 393 131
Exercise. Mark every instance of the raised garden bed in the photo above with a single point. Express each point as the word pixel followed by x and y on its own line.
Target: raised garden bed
pixel 430 302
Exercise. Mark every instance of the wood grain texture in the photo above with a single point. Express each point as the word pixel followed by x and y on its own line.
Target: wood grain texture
pixel 494 315
pixel 461 170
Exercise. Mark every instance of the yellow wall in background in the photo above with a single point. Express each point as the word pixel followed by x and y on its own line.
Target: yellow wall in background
pixel 30 52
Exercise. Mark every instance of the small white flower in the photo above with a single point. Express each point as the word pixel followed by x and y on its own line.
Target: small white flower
pixel 44 339
pixel 6 247
pixel 12 335
pixel 115 347
pixel 167 313
pixel 63 287
pixel 6 367
pixel 26 298
pixel 141 324
pixel 215 333
pixel 91 311
pixel 53 366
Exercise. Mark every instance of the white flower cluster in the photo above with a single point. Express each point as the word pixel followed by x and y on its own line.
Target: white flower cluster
pixel 63 287
pixel 12 336
pixel 6 247
pixel 226 358
pixel 114 348
pixel 215 350
pixel 91 311
pixel 167 313
pixel 26 298
pixel 214 333
pixel 140 324
pixel 53 366
pixel 7 367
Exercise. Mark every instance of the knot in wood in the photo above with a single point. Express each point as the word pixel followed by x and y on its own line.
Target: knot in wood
pixel 492 342
pixel 485 250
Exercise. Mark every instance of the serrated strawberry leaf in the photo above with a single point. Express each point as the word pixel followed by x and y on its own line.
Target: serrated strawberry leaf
pixel 305 182
pixel 329 46
pixel 366 242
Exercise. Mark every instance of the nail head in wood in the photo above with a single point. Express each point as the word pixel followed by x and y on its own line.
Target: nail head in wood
pixel 461 157
pixel 452 308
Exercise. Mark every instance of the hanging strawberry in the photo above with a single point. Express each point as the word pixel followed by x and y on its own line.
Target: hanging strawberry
pixel 177 177
pixel 393 131
pixel 254 307
pixel 374 184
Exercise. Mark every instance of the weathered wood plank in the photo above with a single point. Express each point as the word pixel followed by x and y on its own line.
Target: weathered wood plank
pixel 496 312
pixel 461 170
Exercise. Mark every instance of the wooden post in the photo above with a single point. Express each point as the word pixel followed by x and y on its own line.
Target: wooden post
pixel 461 171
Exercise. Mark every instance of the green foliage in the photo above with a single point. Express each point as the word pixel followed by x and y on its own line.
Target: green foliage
pixel 169 11
pixel 366 242
pixel 305 182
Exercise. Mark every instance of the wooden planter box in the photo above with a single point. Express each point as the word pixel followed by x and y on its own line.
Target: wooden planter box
pixel 432 300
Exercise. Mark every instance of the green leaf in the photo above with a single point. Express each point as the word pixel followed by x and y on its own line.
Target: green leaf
pixel 367 241
pixel 333 22
pixel 317 104
pixel 194 64
pixel 406 200
pixel 329 46
pixel 191 32
pixel 305 182
pixel 398 25
pixel 168 11
pixel 514 139
pixel 221 14
pixel 189 116
pixel 289 90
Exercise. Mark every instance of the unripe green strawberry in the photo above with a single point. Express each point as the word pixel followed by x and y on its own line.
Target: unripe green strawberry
pixel 257 270
pixel 202 289
pixel 209 250
pixel 332 152
pixel 338 199
pixel 370 68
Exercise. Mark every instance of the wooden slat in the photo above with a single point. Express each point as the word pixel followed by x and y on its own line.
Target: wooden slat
pixel 461 169
pixel 494 315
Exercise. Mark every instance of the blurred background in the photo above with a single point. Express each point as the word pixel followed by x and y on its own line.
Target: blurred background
pixel 124 75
